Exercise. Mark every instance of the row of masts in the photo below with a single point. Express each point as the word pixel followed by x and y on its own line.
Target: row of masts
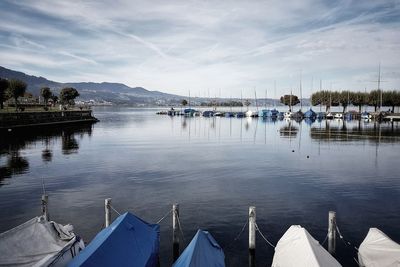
pixel 301 93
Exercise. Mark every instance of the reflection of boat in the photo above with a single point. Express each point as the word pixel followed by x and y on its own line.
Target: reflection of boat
pixel 366 116
pixel 288 114
pixel 378 249
pixel 128 241
pixel 321 115
pixel 338 115
pixel 203 250
pixel 298 248
pixel 39 242
pixel 309 121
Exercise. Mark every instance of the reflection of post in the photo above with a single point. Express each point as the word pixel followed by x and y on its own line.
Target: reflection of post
pixel 332 232
pixel 175 232
pixel 252 235
pixel 107 211
pixel 45 208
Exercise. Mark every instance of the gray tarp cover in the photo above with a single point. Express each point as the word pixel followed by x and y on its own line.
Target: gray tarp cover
pixel 35 243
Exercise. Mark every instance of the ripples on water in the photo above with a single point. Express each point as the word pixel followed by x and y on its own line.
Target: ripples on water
pixel 215 168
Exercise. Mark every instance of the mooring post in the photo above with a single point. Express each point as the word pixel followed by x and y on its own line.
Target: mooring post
pixel 332 232
pixel 45 208
pixel 252 228
pixel 175 231
pixel 107 210
pixel 252 235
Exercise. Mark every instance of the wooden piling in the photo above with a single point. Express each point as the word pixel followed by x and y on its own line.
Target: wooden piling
pixel 252 236
pixel 45 209
pixel 332 232
pixel 252 228
pixel 175 231
pixel 107 210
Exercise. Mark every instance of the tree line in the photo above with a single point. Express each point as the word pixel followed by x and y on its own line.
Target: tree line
pixel 358 99
pixel 14 89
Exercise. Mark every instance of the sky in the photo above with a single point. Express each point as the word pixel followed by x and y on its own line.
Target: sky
pixel 208 48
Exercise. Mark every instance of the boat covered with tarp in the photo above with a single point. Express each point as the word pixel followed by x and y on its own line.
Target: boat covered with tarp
pixel 39 242
pixel 378 249
pixel 298 248
pixel 202 251
pixel 128 241
pixel 310 114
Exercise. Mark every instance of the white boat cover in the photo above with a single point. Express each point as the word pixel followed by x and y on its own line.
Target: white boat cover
pixel 297 248
pixel 38 242
pixel 378 250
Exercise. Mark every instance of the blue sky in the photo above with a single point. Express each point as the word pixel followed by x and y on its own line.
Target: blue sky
pixel 208 47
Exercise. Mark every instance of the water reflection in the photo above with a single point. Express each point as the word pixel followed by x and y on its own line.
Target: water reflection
pixel 340 130
pixel 289 130
pixel 13 163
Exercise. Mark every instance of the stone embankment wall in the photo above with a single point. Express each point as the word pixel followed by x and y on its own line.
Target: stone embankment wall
pixel 25 119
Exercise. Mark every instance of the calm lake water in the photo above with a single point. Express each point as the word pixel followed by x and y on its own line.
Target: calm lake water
pixel 215 168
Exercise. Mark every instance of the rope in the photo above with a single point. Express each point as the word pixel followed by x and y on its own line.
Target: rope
pixel 160 220
pixel 347 243
pixel 323 242
pixel 115 210
pixel 356 261
pixel 180 228
pixel 266 240
pixel 238 236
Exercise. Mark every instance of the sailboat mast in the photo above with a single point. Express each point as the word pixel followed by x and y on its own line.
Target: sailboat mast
pixel 301 96
pixel 274 93
pixel 379 86
pixel 265 102
pixel 255 95
pixel 241 101
pixel 320 95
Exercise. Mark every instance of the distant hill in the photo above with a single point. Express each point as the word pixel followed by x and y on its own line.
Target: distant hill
pixel 116 93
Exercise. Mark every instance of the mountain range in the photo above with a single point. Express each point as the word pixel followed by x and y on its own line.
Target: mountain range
pixel 116 93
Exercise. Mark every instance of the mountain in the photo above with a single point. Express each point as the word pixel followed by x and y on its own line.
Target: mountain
pixel 116 93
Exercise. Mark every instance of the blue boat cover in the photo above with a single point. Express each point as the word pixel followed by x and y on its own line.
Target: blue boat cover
pixel 202 251
pixel 310 113
pixel 128 241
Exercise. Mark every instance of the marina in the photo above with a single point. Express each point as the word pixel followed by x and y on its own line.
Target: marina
pixel 308 177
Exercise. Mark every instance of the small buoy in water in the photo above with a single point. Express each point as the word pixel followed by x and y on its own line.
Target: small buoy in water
pixel 292 150
pixel 308 156
pixel 9 130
